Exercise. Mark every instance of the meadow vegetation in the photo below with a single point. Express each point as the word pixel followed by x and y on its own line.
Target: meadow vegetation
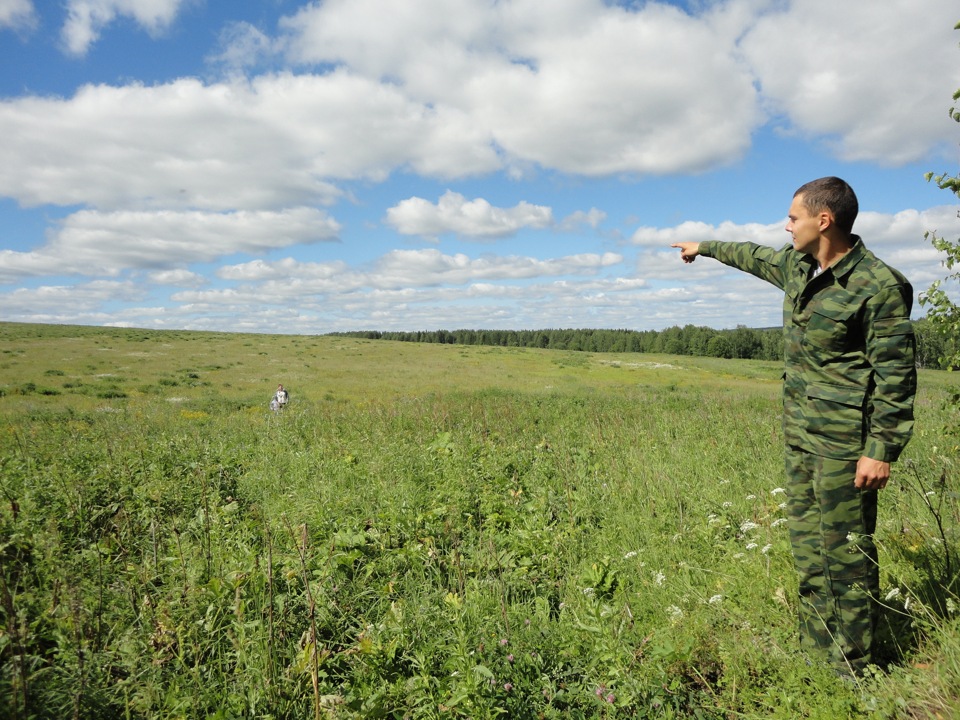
pixel 431 531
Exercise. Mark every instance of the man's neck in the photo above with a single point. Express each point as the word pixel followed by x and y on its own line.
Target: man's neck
pixel 832 249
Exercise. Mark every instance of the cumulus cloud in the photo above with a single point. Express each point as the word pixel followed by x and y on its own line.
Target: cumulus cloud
pixel 856 80
pixel 591 218
pixel 178 277
pixel 277 141
pixel 693 231
pixel 418 268
pixel 242 46
pixel 427 289
pixel 17 14
pixel 453 213
pixel 96 243
pixel 67 301
pixel 575 85
pixel 428 267
pixel 87 18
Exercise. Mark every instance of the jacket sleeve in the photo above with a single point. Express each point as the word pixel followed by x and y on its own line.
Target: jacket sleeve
pixel 890 347
pixel 764 262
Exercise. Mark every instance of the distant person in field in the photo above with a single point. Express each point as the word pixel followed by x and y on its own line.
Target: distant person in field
pixel 280 399
pixel 848 397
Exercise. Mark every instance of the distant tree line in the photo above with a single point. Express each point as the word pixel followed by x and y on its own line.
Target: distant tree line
pixel 741 342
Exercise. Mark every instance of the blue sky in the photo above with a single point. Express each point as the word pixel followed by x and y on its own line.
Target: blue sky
pixel 281 166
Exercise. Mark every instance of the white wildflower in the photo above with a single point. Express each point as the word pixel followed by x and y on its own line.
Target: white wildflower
pixel 674 612
pixel 892 595
pixel 852 537
pixel 659 578
pixel 728 504
pixel 766 548
pixel 751 546
pixel 588 591
pixel 778 522
pixel 632 553
pixel 782 506
pixel 715 600
pixel 778 491
pixel 951 606
pixel 747 526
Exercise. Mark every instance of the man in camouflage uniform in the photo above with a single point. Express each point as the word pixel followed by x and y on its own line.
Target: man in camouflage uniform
pixel 848 394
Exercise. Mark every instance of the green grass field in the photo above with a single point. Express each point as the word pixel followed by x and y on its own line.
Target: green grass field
pixel 431 531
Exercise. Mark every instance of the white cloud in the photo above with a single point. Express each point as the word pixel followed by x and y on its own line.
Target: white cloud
pixel 242 46
pixel 692 231
pixel 453 213
pixel 592 218
pixel 95 243
pixel 87 18
pixel 179 278
pixel 874 81
pixel 413 269
pixel 274 142
pixel 457 91
pixel 431 267
pixel 574 85
pixel 17 15
pixel 62 301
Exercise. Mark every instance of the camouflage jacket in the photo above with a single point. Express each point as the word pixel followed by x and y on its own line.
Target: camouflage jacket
pixel 850 377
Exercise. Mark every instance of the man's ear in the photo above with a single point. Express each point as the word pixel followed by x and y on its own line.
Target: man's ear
pixel 826 220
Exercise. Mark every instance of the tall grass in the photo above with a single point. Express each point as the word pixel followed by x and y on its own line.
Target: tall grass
pixel 428 532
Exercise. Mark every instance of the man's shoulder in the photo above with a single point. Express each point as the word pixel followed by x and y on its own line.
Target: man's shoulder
pixel 880 272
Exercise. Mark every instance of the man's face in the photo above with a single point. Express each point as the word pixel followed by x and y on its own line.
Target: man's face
pixel 804 226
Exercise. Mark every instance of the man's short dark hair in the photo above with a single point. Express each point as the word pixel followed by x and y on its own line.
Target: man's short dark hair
pixel 833 194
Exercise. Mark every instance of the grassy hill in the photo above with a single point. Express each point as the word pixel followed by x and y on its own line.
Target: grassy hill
pixel 430 531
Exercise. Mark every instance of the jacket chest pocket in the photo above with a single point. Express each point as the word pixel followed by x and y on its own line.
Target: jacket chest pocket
pixel 832 327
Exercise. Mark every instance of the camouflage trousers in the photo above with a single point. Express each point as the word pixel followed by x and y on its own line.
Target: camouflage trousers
pixel 831 530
